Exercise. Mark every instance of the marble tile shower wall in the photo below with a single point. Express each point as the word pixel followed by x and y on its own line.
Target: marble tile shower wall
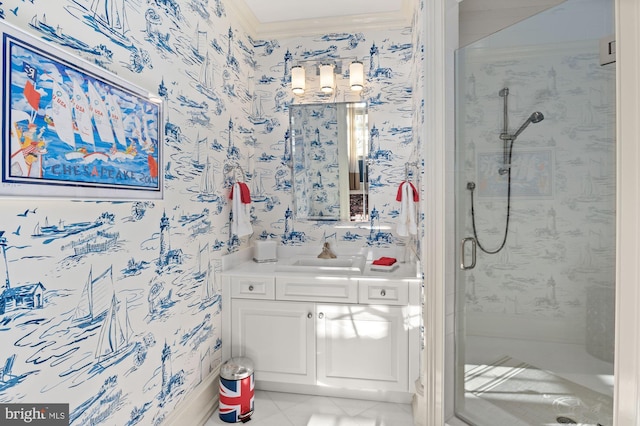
pixel 150 268
pixel 558 262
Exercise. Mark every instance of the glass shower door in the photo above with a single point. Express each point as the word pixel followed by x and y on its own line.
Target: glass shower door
pixel 535 221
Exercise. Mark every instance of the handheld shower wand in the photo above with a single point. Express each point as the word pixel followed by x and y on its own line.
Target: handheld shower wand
pixel 508 139
pixel 504 93
pixel 535 117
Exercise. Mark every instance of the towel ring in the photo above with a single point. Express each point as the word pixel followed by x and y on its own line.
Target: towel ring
pixel 235 168
pixel 413 164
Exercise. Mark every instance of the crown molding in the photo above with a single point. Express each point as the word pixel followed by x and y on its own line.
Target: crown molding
pixel 309 27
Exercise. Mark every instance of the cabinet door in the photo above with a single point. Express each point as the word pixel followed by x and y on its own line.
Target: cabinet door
pixel 362 347
pixel 279 337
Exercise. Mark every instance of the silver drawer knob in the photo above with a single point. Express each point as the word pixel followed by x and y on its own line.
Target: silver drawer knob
pixel 250 288
pixel 383 293
pixel 320 315
pixel 309 315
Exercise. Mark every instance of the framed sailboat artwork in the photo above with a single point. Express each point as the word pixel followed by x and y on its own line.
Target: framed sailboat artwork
pixel 73 130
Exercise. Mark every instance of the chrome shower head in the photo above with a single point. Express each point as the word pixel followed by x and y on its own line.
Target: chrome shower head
pixel 535 117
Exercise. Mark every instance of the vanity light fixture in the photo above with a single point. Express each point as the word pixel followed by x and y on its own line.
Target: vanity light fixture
pixel 327 78
pixel 356 76
pixel 326 70
pixel 298 79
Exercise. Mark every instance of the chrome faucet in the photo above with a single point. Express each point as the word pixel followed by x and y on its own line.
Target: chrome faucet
pixel 327 253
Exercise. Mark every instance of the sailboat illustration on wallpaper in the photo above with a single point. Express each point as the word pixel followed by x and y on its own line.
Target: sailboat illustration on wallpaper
pixel 257 112
pixel 209 293
pixel 258 193
pixel 111 20
pixel 208 184
pixel 94 302
pixel 7 378
pixel 199 41
pixel 195 160
pixel 200 273
pixel 206 74
pixel 114 342
pixel 206 84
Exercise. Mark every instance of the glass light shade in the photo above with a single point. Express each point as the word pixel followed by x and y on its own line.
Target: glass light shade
pixel 356 76
pixel 297 79
pixel 326 78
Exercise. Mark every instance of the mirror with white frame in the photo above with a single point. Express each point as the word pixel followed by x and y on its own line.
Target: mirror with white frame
pixel 329 149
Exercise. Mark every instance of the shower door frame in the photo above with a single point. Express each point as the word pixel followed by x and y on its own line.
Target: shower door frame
pixel 440 26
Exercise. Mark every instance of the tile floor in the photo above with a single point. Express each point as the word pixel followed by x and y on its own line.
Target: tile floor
pixel 569 361
pixel 288 409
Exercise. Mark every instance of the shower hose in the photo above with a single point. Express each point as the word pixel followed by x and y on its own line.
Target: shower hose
pixel 471 186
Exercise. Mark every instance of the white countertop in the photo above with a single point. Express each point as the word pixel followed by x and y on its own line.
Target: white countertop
pixel 244 265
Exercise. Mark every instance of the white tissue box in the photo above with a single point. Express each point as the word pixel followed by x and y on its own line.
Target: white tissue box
pixel 265 251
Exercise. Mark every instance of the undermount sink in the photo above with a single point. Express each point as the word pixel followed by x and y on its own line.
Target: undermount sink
pixel 315 264
pixel 315 261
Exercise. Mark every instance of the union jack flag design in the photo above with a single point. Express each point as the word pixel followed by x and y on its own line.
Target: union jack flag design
pixel 236 399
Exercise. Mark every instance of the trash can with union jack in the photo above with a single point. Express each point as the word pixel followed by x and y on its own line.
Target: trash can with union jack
pixel 236 390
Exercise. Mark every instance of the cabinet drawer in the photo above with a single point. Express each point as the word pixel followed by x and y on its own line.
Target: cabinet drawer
pixel 341 290
pixel 253 288
pixel 383 292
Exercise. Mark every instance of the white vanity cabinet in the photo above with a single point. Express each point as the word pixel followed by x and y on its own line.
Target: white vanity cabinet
pixel 347 336
pixel 279 337
pixel 362 347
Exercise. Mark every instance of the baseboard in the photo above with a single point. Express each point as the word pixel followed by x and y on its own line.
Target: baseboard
pixel 545 330
pixel 369 395
pixel 199 405
pixel 418 405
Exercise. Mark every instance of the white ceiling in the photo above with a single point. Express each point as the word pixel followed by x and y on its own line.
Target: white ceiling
pixel 288 18
pixel 287 10
pixel 295 18
pixel 480 18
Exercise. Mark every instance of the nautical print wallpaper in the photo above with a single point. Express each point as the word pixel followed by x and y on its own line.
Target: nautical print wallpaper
pixel 114 307
pixel 388 91
pixel 556 275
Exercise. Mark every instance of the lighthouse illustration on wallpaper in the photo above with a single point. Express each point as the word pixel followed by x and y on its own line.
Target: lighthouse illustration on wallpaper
pixel 168 257
pixel 29 296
